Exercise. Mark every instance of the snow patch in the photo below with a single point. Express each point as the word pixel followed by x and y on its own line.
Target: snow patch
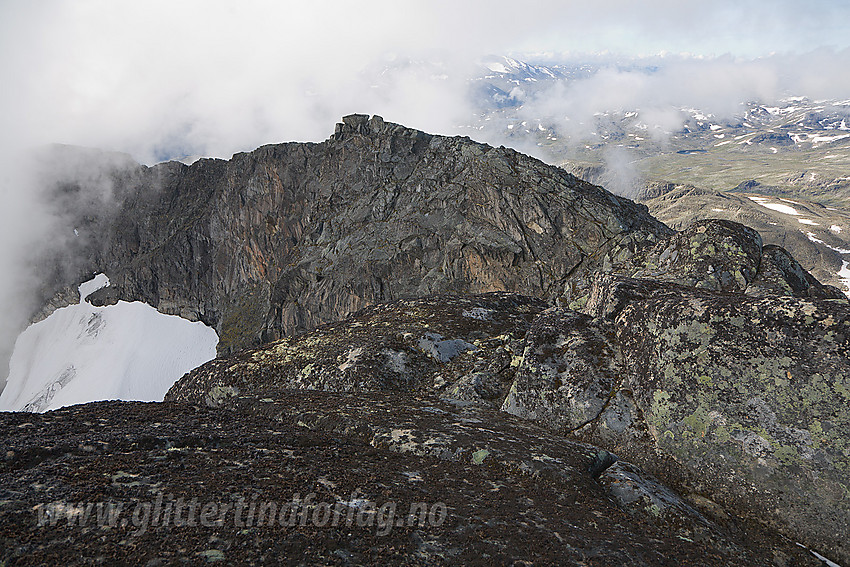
pixel 808 222
pixel 839 250
pixel 87 288
pixel 820 557
pixel 828 139
pixel 844 276
pixel 844 272
pixel 497 67
pixel 83 353
pixel 813 238
pixel 778 207
pixel 835 228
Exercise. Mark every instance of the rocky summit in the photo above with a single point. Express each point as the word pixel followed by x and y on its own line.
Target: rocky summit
pixel 291 236
pixel 439 352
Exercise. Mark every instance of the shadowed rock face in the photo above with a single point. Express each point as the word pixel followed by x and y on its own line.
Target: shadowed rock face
pixel 291 236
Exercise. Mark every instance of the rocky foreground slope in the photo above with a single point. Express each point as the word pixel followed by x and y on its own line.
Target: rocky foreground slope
pixel 722 369
pixel 678 398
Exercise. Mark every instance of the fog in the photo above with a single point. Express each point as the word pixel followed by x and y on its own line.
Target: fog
pixel 159 80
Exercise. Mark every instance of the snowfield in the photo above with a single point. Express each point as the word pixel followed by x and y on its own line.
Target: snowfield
pixel 844 275
pixel 83 353
pixel 844 272
pixel 778 207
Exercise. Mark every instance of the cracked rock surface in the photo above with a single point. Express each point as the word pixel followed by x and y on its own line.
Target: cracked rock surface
pixel 511 492
pixel 291 236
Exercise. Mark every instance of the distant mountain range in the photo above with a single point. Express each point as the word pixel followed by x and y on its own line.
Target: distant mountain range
pixel 793 125
pixel 794 152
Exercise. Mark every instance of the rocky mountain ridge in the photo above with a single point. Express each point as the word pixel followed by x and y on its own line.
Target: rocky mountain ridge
pixel 392 289
pixel 290 236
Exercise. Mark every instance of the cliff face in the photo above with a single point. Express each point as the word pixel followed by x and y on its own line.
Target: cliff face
pixel 290 236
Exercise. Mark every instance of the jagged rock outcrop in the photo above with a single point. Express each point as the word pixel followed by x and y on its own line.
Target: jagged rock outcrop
pixel 811 231
pixel 291 236
pixel 406 346
pixel 742 375
pixel 721 255
pixel 751 395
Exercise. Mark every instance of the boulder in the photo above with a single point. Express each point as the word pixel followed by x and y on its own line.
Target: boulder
pixel 467 347
pixel 747 393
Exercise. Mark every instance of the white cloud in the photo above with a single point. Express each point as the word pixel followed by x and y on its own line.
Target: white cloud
pixel 159 78
pixel 215 77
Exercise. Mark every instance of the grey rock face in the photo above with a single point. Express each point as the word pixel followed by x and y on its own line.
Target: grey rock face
pixel 738 389
pixel 291 236
pixel 735 388
pixel 570 370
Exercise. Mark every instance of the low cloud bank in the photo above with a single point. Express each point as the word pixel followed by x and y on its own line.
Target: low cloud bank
pixel 162 80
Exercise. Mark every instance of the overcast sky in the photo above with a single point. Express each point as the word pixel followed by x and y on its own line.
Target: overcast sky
pixel 153 78
pixel 166 78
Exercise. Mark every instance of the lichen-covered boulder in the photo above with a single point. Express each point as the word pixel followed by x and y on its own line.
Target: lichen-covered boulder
pixel 781 274
pixel 713 254
pixel 753 394
pixel 570 373
pixel 750 394
pixel 466 347
pixel 721 255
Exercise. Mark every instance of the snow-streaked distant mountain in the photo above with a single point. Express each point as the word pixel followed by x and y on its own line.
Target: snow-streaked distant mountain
pixel 83 353
pixel 520 70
